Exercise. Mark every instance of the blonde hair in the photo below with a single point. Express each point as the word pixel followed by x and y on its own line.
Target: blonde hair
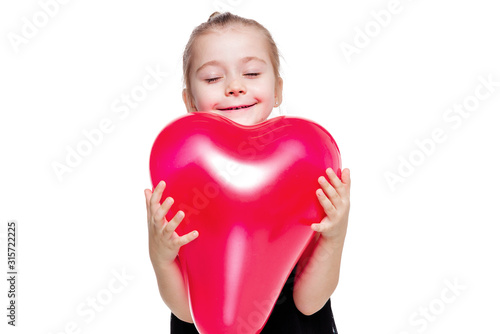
pixel 219 21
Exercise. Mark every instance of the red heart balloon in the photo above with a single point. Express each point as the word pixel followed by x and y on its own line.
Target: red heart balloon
pixel 250 192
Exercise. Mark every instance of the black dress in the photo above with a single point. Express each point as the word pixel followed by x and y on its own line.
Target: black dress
pixel 284 319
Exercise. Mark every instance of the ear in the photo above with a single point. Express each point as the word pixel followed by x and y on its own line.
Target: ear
pixel 278 91
pixel 188 102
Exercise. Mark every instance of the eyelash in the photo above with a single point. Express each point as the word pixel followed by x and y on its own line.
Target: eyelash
pixel 215 79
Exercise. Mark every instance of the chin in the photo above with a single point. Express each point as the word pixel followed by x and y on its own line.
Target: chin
pixel 245 121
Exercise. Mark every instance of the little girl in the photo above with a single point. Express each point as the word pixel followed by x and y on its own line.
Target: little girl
pixel 231 67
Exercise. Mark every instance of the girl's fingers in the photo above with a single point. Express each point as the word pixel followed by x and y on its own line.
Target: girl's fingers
pixel 155 198
pixel 341 186
pixel 325 203
pixel 170 226
pixel 159 215
pixel 147 194
pixel 164 208
pixel 346 178
pixel 318 227
pixel 186 238
pixel 330 191
pixel 334 179
pixel 166 205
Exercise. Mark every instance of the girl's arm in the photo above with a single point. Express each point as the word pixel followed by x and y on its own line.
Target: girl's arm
pixel 319 267
pixel 172 289
pixel 164 245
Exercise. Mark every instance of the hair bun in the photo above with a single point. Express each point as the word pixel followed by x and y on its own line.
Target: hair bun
pixel 214 14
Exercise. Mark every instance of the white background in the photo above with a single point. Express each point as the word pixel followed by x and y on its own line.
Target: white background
pixel 439 225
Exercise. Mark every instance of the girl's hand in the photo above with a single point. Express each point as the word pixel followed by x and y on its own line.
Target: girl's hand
pixel 334 197
pixel 164 242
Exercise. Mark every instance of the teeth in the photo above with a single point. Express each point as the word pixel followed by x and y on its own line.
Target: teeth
pixel 237 108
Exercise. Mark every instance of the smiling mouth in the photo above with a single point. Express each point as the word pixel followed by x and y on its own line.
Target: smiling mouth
pixel 239 107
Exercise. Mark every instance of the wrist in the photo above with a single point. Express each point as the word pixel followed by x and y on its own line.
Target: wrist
pixel 333 243
pixel 160 263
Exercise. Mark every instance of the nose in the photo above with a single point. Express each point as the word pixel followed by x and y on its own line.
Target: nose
pixel 235 88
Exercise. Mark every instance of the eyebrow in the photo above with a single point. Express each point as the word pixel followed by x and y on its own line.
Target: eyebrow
pixel 242 60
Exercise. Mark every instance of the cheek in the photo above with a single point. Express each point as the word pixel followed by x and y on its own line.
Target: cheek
pixel 265 93
pixel 204 99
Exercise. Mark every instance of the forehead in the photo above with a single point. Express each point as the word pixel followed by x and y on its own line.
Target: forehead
pixel 230 44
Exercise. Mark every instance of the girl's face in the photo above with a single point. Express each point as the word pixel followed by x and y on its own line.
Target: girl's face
pixel 232 75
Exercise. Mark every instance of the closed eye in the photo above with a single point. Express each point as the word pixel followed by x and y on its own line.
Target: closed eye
pixel 253 74
pixel 212 80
